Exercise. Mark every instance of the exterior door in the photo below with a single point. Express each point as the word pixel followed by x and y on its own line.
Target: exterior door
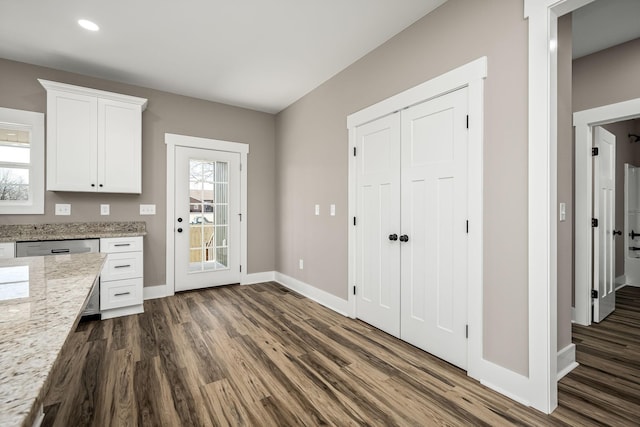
pixel 434 227
pixel 378 206
pixel 207 213
pixel 603 236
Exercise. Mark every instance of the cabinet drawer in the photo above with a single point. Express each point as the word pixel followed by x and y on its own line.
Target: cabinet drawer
pixel 120 293
pixel 112 245
pixel 126 265
pixel 7 250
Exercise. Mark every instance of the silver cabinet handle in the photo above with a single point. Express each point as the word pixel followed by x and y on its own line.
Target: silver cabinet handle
pixel 122 244
pixel 122 266
pixel 121 294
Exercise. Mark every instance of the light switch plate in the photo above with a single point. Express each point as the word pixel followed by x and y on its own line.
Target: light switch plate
pixel 63 209
pixel 301 264
pixel 147 209
pixel 563 211
pixel 104 210
pixel 332 210
pixel 317 209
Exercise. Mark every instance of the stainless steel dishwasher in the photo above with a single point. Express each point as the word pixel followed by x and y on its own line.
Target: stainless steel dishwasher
pixel 60 247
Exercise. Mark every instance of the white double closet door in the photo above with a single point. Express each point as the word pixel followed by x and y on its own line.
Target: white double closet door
pixel 411 245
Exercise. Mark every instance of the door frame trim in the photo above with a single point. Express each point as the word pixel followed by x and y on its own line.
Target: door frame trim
pixel 584 121
pixel 174 140
pixel 470 75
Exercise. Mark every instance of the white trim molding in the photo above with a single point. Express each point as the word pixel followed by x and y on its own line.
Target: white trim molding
pixel 173 141
pixel 584 121
pixel 155 292
pixel 542 236
pixel 262 277
pixel 470 75
pixel 566 360
pixel 330 301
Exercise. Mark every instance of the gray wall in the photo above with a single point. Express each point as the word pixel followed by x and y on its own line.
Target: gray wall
pixel 170 113
pixel 607 77
pixel 312 157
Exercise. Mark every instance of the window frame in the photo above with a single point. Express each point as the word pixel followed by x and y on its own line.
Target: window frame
pixel 34 123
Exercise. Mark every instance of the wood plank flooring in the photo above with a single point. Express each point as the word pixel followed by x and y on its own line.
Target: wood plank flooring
pixel 264 356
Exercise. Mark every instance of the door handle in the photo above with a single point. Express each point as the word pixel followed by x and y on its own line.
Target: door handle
pixel 618 232
pixel 179 219
pixel 179 230
pixel 633 234
pixel 404 238
pixel 393 237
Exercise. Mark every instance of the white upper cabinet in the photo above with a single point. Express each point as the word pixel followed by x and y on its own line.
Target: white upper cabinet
pixel 94 140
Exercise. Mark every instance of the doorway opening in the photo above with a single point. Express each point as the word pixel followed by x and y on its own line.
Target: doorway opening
pixel 619 118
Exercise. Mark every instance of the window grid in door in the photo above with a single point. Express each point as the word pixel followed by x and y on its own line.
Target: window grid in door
pixel 208 215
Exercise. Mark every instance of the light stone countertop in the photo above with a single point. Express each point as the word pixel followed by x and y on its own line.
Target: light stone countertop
pixel 70 230
pixel 41 299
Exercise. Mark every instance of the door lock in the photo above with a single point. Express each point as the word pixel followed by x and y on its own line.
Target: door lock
pixel 618 232
pixel 393 237
pixel 179 230
pixel 404 238
pixel 179 219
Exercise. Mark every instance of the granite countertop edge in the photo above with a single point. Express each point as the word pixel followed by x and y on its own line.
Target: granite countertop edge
pixel 68 236
pixel 73 230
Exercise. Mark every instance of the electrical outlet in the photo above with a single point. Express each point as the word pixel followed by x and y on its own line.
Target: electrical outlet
pixel 301 264
pixel 317 209
pixel 332 210
pixel 104 209
pixel 63 209
pixel 147 209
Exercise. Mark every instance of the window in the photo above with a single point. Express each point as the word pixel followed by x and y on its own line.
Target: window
pixel 21 162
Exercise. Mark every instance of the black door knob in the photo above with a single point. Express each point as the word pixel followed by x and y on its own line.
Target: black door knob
pixel 618 232
pixel 179 219
pixel 404 238
pixel 179 230
pixel 393 237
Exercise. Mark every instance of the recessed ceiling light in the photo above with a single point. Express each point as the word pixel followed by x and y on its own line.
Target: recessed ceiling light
pixel 88 25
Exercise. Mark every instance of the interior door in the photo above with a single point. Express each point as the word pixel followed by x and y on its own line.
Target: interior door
pixel 434 227
pixel 603 237
pixel 207 212
pixel 378 207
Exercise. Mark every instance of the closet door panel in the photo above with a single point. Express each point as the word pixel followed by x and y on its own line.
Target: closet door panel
pixel 434 213
pixel 378 257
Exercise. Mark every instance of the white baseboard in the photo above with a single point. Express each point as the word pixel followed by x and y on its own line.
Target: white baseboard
pixel 253 278
pixel 566 360
pixel 153 292
pixel 505 381
pixel 330 301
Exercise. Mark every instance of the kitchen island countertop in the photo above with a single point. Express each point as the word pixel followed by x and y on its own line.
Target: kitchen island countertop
pixel 41 299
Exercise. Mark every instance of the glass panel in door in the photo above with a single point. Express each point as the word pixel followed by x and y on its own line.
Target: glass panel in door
pixel 208 215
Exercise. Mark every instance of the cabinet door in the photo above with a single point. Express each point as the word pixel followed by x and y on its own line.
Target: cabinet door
pixel 7 250
pixel 71 142
pixel 119 147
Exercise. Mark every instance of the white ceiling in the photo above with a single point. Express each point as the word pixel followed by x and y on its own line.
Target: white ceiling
pixel 259 54
pixel 603 24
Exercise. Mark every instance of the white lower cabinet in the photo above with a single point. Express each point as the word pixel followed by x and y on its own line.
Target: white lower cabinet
pixel 121 280
pixel 7 250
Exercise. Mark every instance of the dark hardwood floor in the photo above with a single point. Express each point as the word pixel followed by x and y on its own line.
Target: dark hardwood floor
pixel 263 356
